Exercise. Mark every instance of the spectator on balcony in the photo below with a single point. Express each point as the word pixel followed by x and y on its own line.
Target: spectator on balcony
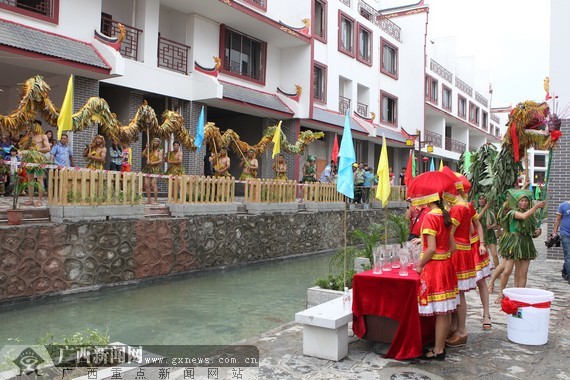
pixel 116 153
pixel 369 181
pixel 126 158
pixel 358 182
pixel 327 176
pixel 403 176
pixel 61 153
pixel 392 177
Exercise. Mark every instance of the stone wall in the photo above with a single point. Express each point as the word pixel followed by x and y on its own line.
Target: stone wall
pixel 43 259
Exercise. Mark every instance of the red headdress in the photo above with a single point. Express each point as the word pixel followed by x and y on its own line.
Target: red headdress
pixel 451 196
pixel 430 187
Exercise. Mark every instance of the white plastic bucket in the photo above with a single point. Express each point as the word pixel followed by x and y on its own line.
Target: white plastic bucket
pixel 530 324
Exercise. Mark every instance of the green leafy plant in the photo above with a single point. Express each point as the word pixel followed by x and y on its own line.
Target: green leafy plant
pixel 90 338
pixel 21 185
pixel 398 227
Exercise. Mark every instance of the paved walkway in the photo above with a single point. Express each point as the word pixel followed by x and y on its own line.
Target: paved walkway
pixel 488 354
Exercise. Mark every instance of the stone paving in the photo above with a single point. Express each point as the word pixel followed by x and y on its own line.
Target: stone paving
pixel 488 354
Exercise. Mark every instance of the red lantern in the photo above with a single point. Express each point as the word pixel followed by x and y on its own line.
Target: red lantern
pixel 425 159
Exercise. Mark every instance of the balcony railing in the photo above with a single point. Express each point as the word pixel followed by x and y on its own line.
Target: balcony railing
pixel 346 2
pixel 173 55
pixel 481 99
pixel 130 45
pixel 343 104
pixel 441 71
pixel 376 18
pixel 434 137
pixel 454 145
pixel 463 86
pixel 362 109
pixel 495 118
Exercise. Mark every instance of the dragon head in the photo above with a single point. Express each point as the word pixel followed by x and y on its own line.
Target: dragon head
pixel 532 125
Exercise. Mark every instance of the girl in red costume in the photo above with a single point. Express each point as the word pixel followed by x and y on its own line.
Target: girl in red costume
pixel 462 215
pixel 438 293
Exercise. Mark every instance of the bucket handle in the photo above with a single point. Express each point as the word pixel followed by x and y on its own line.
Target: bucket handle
pixel 511 306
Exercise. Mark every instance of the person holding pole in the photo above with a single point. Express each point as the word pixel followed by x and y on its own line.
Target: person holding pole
pixel 153 155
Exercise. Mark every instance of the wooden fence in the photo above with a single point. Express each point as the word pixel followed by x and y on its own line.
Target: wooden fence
pixel 200 189
pixel 321 192
pixel 95 187
pixel 270 191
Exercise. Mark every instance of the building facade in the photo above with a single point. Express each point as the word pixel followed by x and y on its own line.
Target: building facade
pixel 250 64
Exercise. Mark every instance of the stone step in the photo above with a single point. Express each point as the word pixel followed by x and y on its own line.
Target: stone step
pixel 157 211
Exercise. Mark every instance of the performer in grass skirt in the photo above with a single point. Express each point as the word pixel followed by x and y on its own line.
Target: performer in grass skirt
pixel 520 227
pixel 438 293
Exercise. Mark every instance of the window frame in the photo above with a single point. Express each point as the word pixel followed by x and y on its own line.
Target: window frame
pixel 341 16
pixel 253 3
pixel 484 120
pixel 38 16
pixel 384 42
pixel 322 66
pixel 427 86
pixel 543 159
pixel 263 56
pixel 359 29
pixel 324 5
pixel 434 95
pixel 459 99
pixel 473 116
pixel 394 98
pixel 444 88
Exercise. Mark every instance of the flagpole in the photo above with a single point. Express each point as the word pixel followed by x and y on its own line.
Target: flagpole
pixel 345 240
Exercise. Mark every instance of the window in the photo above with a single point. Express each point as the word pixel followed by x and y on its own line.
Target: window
pixel 346 34
pixel 427 86
pixel 461 107
pixel 47 10
pixel 364 45
pixel 388 108
pixel 433 91
pixel 243 56
pixel 446 97
pixel 485 120
pixel 540 160
pixel 320 20
pixel 473 113
pixel 261 4
pixel 320 82
pixel 389 64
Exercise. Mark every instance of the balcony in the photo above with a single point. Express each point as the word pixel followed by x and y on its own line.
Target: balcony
pixel 361 109
pixel 481 99
pixel 173 55
pixel 463 86
pixel 343 104
pixel 435 138
pixel 130 45
pixel 376 18
pixel 441 71
pixel 454 145
pixel 346 2
pixel 495 118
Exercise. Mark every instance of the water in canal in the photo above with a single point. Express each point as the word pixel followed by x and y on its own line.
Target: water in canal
pixel 217 307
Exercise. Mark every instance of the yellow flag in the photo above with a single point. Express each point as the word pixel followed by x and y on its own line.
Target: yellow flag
pixel 441 164
pixel 277 140
pixel 383 172
pixel 64 120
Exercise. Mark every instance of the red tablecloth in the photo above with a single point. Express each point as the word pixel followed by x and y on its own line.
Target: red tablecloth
pixel 393 296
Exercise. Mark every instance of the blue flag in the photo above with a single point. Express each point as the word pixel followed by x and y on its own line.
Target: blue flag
pixel 432 165
pixel 199 131
pixel 347 157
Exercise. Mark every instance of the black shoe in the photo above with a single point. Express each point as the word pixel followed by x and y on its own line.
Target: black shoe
pixel 565 276
pixel 433 356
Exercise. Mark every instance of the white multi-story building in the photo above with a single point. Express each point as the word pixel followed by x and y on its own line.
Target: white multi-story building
pixel 304 62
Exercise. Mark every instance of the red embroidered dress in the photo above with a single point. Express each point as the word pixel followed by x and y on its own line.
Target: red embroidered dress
pixel 482 262
pixel 438 292
pixel 462 258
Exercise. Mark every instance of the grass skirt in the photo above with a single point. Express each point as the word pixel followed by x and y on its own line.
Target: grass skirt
pixel 517 246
